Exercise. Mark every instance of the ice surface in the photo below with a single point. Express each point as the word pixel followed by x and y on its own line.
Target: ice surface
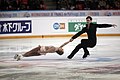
pixel 102 64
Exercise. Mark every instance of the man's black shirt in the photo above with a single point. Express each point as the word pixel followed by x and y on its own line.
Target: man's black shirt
pixel 91 31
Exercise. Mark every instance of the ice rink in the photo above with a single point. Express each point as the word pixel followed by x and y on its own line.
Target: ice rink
pixel 102 64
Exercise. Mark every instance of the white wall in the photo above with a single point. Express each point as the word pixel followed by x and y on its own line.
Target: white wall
pixel 44 25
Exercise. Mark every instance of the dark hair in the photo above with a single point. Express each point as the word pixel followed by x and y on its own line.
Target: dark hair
pixel 59 52
pixel 89 17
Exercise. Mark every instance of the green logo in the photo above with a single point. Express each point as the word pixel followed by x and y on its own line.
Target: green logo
pixel 76 26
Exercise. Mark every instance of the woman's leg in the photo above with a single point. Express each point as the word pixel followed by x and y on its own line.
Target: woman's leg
pixel 33 52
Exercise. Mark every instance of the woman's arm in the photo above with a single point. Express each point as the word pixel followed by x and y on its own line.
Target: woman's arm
pixel 64 44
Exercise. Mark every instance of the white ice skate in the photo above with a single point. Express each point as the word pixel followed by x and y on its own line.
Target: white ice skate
pixel 18 57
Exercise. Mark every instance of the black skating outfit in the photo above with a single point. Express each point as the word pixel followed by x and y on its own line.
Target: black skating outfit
pixel 91 41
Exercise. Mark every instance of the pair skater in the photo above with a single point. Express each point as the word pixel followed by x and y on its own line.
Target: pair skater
pixel 90 29
pixel 41 50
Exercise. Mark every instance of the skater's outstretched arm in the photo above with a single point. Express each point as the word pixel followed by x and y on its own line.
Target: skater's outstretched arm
pixel 106 25
pixel 64 44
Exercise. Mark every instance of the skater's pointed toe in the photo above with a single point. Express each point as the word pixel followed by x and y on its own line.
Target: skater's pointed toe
pixel 17 57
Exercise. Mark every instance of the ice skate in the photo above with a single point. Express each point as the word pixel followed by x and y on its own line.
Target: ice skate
pixel 17 57
pixel 85 55
pixel 70 56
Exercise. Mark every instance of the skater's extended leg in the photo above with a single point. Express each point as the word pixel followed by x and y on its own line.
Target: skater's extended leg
pixel 74 51
pixel 33 52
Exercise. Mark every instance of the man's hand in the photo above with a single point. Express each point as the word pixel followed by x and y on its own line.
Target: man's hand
pixel 114 25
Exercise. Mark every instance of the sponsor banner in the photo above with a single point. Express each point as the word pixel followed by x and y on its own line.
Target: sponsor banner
pixel 59 26
pixel 8 14
pixel 74 13
pixel 59 13
pixel 21 26
pixel 76 26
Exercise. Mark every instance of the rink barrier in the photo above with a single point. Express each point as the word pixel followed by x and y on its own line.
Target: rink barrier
pixel 51 36
pixel 43 27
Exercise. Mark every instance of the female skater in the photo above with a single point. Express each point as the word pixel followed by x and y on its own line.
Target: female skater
pixel 41 50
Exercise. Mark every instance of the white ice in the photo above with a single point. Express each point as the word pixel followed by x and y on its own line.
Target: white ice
pixel 102 64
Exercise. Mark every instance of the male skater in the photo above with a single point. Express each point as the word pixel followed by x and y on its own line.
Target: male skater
pixel 90 29
pixel 41 50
